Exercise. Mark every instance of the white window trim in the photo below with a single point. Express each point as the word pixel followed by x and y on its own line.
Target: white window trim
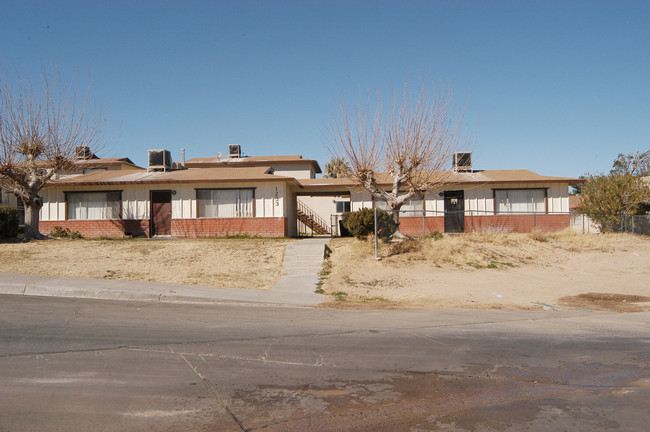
pixel 543 202
pixel 245 213
pixel 98 210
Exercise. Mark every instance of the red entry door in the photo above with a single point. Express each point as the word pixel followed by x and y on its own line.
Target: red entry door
pixel 161 213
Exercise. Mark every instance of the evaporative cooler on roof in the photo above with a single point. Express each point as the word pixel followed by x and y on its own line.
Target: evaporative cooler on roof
pixel 160 160
pixel 234 150
pixel 463 161
pixel 83 152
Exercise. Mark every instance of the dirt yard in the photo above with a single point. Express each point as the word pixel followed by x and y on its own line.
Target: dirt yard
pixel 228 263
pixel 563 271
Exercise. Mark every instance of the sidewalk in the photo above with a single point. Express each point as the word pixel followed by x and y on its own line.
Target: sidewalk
pixel 302 262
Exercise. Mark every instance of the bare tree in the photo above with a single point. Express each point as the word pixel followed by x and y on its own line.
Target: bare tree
pixel 417 142
pixel 39 131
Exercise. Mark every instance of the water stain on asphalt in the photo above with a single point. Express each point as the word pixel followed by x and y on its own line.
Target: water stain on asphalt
pixel 608 302
pixel 399 402
pixel 505 399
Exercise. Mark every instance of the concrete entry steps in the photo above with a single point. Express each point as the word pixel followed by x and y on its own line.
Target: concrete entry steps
pixel 296 286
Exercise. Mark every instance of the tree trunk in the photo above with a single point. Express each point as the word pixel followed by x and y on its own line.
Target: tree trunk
pixel 397 234
pixel 32 218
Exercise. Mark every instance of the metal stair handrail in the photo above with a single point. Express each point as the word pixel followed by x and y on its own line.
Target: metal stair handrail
pixel 313 217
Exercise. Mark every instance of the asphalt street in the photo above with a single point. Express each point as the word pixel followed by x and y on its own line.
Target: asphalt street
pixel 79 365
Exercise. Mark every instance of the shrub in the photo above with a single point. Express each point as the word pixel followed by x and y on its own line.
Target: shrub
pixel 60 232
pixel 404 246
pixel 361 223
pixel 436 235
pixel 606 198
pixel 8 221
pixel 539 235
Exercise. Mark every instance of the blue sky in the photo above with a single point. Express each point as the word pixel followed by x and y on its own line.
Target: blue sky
pixel 559 88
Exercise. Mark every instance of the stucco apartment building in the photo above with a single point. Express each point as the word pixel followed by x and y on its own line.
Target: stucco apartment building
pixel 281 196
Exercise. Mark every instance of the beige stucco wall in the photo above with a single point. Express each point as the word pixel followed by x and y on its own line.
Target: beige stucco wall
pixel 480 199
pixel 323 206
pixel 299 171
pixel 270 199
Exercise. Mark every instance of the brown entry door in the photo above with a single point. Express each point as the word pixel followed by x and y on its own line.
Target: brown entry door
pixel 161 213
pixel 454 211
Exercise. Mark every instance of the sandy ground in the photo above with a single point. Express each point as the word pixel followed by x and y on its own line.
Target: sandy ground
pixel 470 271
pixel 594 272
pixel 228 263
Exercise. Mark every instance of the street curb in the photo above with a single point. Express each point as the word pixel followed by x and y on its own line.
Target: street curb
pixel 295 287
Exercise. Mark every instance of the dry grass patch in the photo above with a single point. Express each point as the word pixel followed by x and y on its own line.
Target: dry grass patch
pixel 484 249
pixel 228 263
pixel 486 270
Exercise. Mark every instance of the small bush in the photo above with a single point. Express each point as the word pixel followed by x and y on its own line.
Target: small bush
pixel 341 296
pixel 436 235
pixel 405 246
pixel 361 223
pixel 539 235
pixel 60 232
pixel 8 221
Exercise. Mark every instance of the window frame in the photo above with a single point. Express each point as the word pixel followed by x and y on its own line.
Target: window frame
pixel 196 207
pixel 344 204
pixel 414 212
pixel 118 191
pixel 496 207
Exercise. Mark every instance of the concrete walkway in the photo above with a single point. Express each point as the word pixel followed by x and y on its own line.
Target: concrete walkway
pixel 302 262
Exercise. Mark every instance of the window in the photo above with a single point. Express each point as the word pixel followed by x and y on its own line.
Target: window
pixel 412 207
pixel 93 205
pixel 342 206
pixel 20 206
pixel 520 201
pixel 225 203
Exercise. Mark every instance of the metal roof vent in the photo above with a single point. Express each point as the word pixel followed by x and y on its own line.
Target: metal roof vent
pixel 462 162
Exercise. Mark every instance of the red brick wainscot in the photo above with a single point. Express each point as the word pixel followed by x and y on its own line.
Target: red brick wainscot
pixel 259 227
pixel 100 228
pixel 518 223
pixel 413 226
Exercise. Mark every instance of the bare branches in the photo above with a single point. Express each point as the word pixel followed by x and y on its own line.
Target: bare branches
pixel 39 132
pixel 421 138
pixel 413 145
pixel 44 125
pixel 357 139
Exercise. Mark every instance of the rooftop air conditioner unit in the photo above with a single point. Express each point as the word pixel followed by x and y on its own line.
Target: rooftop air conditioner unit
pixel 463 162
pixel 234 150
pixel 83 152
pixel 160 160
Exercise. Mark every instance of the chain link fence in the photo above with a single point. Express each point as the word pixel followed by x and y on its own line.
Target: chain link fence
pixel 425 222
pixel 625 223
pixel 416 223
